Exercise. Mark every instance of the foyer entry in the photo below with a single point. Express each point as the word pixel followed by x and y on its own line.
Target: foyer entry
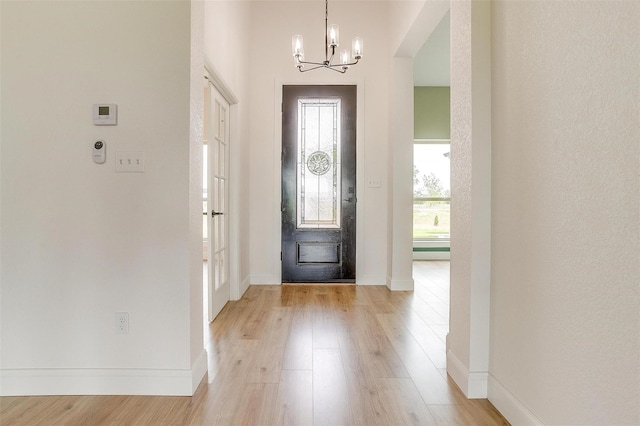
pixel 319 183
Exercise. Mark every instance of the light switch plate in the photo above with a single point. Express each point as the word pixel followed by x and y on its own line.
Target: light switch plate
pixel 129 162
pixel 374 183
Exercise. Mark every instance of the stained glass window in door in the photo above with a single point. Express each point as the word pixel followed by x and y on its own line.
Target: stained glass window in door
pixel 318 163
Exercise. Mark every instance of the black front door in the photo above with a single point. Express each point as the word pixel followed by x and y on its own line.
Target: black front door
pixel 319 184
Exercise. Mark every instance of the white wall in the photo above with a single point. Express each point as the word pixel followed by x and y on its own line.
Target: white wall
pixel 227 35
pixel 80 242
pixel 566 226
pixel 467 341
pixel 227 32
pixel 196 136
pixel 400 159
pixel 411 23
pixel 273 25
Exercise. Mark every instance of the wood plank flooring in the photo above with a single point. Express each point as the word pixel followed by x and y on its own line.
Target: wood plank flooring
pixel 303 355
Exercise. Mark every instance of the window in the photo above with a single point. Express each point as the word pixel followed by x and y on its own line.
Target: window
pixel 319 163
pixel 431 189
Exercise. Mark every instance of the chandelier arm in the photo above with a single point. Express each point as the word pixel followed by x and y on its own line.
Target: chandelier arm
pixel 319 64
pixel 325 65
pixel 311 69
pixel 334 68
pixel 344 65
pixel 333 52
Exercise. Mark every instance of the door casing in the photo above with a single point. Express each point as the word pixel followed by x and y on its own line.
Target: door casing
pixel 331 251
pixel 275 276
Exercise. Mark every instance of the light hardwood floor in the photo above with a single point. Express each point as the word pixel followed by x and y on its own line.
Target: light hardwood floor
pixel 303 355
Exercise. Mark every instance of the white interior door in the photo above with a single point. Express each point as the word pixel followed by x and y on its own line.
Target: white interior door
pixel 218 201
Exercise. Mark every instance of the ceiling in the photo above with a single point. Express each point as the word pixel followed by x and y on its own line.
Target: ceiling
pixel 431 64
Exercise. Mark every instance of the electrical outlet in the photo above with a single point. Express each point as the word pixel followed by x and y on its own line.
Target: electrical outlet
pixel 122 323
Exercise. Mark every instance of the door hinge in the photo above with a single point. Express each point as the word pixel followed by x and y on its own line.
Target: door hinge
pixel 281 256
pixel 282 206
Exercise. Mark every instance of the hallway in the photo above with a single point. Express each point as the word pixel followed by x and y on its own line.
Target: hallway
pixel 305 355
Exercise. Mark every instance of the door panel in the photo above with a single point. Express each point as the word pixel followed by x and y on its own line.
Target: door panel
pixel 218 199
pixel 318 183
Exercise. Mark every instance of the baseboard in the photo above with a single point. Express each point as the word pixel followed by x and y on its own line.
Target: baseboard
pixel 431 255
pixel 272 280
pixel 472 383
pixel 509 406
pixel 64 381
pixel 255 279
pixel 238 292
pixel 244 285
pixel 371 280
pixel 401 285
pixel 198 370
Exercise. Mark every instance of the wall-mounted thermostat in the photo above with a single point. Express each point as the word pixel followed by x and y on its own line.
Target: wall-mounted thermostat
pixel 105 114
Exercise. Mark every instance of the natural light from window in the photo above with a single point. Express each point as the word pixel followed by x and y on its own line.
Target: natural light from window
pixel 431 190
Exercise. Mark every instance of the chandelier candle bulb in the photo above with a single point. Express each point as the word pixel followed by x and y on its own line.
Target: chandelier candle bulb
pixel 357 48
pixel 333 35
pixel 296 46
pixel 344 56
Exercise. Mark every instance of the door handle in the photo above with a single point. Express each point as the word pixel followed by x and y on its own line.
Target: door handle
pixel 215 213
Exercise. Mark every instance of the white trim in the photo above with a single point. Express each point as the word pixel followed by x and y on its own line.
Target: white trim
pixel 359 82
pixel 431 255
pixel 371 280
pixel 77 381
pixel 276 256
pixel 198 370
pixel 478 384
pixel 246 282
pixel 401 285
pixel 472 383
pixel 432 141
pixel 235 292
pixel 216 79
pixel 360 183
pixel 255 279
pixel 509 405
pixel 457 371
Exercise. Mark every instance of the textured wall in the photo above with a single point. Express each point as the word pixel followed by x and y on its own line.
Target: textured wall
pixel 461 181
pixel 468 347
pixel 566 261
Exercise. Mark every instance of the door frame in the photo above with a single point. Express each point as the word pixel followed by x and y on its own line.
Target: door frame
pixel 218 122
pixel 234 174
pixel 343 237
pixel 360 176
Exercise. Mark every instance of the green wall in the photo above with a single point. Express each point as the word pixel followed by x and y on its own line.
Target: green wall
pixel 431 112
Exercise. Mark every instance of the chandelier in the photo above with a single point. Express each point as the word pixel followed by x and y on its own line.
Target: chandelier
pixel 331 42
